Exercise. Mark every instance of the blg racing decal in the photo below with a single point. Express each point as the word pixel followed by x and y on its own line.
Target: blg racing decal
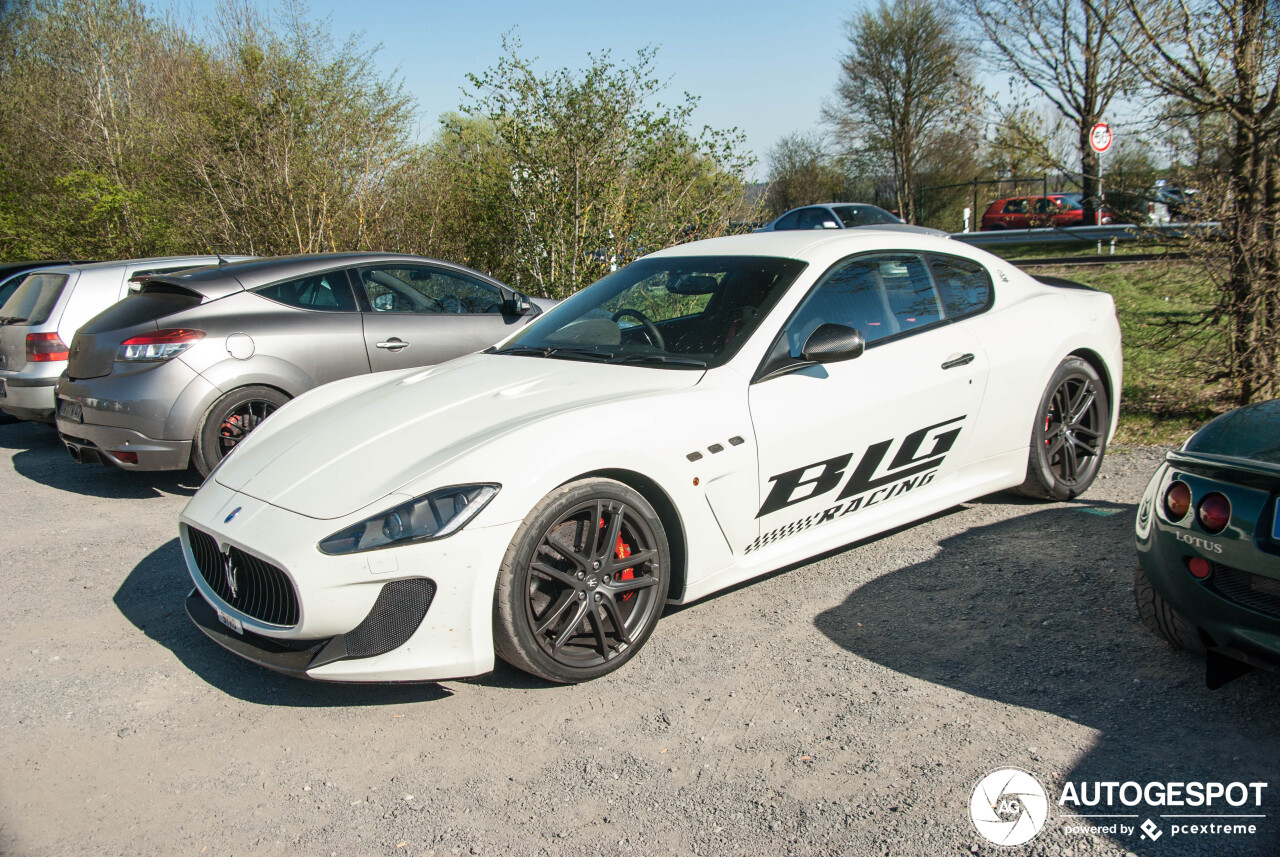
pixel 871 482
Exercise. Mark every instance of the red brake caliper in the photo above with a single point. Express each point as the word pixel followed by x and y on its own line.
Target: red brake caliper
pixel 622 550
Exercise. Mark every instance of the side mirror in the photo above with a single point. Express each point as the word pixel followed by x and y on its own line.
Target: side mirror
pixel 516 304
pixel 831 343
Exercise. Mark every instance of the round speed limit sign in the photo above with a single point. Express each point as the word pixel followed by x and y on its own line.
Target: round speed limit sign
pixel 1100 137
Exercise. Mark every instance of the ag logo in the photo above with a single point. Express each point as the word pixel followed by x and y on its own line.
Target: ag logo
pixel 1008 807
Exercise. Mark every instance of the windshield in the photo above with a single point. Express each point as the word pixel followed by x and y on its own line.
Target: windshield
pixel 679 312
pixel 33 300
pixel 863 215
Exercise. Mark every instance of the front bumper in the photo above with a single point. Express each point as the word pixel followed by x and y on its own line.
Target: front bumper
pixel 336 595
pixel 1238 604
pixel 28 397
pixel 95 444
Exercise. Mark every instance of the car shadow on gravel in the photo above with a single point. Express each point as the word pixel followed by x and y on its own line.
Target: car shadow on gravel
pixel 1037 612
pixel 40 456
pixel 152 597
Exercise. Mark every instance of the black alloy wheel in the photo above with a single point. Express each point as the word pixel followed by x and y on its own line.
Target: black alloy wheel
pixel 584 582
pixel 1070 435
pixel 229 421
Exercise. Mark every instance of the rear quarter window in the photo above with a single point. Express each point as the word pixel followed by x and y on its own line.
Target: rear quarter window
pixel 963 285
pixel 327 292
pixel 34 299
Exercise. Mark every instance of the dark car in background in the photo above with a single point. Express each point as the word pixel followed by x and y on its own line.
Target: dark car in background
pixel 184 369
pixel 843 215
pixel 1208 537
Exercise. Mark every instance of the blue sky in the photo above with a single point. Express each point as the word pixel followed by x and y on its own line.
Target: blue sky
pixel 762 67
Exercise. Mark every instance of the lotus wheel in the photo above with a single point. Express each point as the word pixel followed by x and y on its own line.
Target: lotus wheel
pixel 583 583
pixel 229 421
pixel 1069 437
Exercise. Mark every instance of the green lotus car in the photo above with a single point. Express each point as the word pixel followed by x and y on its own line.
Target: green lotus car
pixel 1208 533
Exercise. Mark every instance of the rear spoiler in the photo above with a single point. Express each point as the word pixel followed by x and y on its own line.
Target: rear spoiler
pixel 1059 283
pixel 205 290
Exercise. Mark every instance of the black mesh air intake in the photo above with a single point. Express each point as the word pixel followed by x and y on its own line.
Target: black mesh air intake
pixel 1249 590
pixel 253 586
pixel 399 610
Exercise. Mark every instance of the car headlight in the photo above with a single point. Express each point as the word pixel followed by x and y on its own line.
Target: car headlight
pixel 432 516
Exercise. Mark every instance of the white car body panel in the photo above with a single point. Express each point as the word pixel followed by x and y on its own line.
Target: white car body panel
pixel 355 448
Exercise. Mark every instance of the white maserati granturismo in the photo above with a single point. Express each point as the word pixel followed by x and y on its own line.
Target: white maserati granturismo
pixel 707 414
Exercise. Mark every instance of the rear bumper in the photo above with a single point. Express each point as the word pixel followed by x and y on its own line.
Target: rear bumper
pixel 28 398
pixel 91 444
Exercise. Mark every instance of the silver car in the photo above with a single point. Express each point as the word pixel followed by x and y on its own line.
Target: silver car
pixel 844 215
pixel 186 368
pixel 44 313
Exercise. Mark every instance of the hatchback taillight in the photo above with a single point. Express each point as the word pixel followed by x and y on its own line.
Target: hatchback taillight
pixel 160 345
pixel 46 348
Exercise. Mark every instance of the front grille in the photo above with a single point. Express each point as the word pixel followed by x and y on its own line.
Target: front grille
pixel 261 590
pixel 399 610
pixel 1249 590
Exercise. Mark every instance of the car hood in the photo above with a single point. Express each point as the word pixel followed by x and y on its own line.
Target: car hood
pixel 346 445
pixel 1251 432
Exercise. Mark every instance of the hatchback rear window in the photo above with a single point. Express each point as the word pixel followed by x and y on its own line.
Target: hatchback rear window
pixel 34 299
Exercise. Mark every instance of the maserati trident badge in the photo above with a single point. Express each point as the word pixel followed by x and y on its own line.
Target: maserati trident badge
pixel 229 569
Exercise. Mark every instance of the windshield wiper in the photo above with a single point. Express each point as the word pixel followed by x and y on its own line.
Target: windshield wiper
pixel 660 358
pixel 10 319
pixel 558 353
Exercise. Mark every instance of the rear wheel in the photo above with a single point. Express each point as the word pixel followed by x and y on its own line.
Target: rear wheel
pixel 229 421
pixel 1070 433
pixel 1161 619
pixel 583 583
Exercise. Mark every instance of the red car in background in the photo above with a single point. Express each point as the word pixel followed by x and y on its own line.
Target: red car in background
pixel 1029 212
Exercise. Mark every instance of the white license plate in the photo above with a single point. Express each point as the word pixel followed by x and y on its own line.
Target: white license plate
pixel 70 411
pixel 231 622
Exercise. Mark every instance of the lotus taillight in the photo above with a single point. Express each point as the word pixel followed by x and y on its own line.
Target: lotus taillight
pixel 46 348
pixel 1177 501
pixel 1214 513
pixel 160 345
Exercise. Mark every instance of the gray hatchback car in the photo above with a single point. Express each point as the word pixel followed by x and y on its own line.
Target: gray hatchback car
pixel 184 369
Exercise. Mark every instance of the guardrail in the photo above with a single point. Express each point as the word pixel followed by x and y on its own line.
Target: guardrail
pixel 1084 234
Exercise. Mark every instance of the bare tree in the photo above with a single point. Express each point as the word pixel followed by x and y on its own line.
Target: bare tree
pixel 801 172
pixel 1071 51
pixel 906 80
pixel 1221 58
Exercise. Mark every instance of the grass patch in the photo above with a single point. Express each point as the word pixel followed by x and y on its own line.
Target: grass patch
pixel 1169 352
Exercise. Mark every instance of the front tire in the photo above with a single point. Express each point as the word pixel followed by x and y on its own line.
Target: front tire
pixel 1161 619
pixel 229 421
pixel 583 583
pixel 1069 437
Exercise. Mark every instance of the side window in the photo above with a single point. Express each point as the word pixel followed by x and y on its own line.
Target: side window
pixel 964 285
pixel 790 221
pixel 423 289
pixel 880 295
pixel 816 218
pixel 328 292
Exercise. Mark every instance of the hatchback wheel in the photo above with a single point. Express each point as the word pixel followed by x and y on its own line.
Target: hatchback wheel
pixel 229 421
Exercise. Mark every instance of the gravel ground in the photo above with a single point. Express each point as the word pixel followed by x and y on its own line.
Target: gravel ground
pixel 844 707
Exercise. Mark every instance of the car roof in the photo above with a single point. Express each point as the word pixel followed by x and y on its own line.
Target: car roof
pixel 259 272
pixel 820 245
pixel 195 259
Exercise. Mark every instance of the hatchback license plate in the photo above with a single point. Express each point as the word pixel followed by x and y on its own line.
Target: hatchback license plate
pixel 231 622
pixel 70 411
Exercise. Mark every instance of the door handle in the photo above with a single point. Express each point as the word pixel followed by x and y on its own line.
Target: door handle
pixel 962 360
pixel 395 344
